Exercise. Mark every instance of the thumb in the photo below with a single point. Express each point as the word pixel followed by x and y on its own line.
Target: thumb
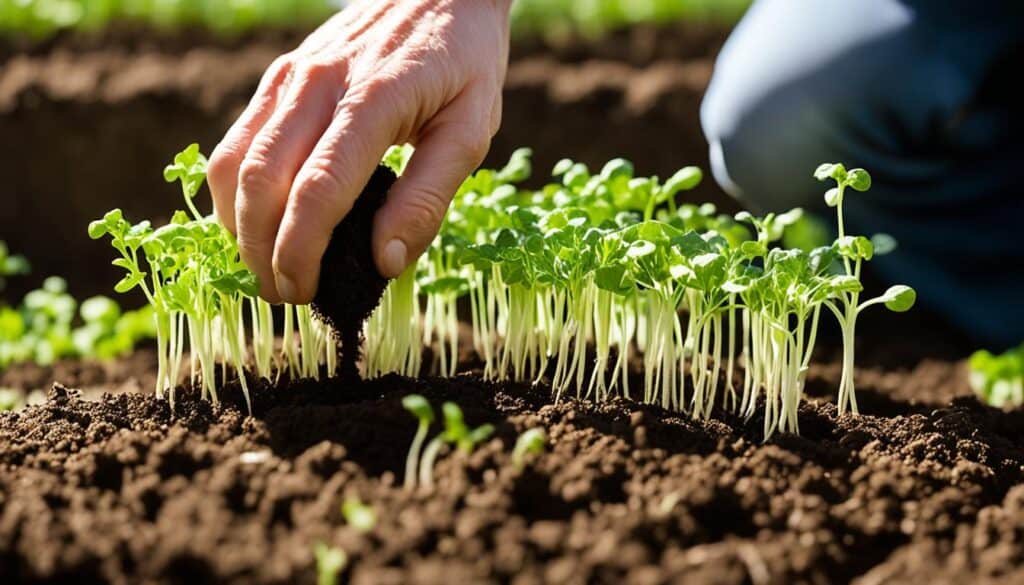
pixel 452 148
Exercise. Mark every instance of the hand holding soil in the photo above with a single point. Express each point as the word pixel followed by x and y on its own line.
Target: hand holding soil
pixel 426 72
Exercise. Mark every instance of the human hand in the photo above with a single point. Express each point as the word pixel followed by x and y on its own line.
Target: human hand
pixel 380 72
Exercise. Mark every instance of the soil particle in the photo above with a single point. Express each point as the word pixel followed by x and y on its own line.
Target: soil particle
pixel 350 285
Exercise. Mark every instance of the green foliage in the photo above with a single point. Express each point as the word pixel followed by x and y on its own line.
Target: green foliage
pixel 557 18
pixel 608 260
pixel 998 379
pixel 549 18
pixel 42 329
pixel 11 265
pixel 330 562
pixel 10 400
pixel 42 18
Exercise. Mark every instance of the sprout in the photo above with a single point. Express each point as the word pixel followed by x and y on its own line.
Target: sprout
pixel 10 400
pixel 455 432
pixel 530 442
pixel 330 562
pixel 420 408
pixel 998 379
pixel 358 515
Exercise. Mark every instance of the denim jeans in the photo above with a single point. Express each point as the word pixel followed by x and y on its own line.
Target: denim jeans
pixel 925 95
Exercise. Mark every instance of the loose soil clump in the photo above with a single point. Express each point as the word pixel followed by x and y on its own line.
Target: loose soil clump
pixel 350 284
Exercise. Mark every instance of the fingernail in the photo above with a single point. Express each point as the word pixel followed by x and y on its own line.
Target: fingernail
pixel 286 288
pixel 394 258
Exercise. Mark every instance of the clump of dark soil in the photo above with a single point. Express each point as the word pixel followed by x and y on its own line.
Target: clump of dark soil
pixel 125 490
pixel 350 284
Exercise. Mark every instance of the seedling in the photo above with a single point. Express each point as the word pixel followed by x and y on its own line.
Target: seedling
pixel 998 379
pixel 854 250
pixel 530 442
pixel 10 400
pixel 330 562
pixel 420 408
pixel 11 265
pixel 42 329
pixel 359 515
pixel 455 433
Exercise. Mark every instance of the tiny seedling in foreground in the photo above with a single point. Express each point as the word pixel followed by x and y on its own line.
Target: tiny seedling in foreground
pixel 455 433
pixel 531 442
pixel 358 515
pixel 330 562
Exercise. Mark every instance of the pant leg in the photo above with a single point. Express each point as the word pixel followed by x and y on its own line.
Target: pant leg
pixel 891 86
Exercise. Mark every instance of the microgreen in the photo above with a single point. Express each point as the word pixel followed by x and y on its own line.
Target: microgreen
pixel 421 409
pixel 46 327
pixel 10 400
pixel 330 562
pixel 11 265
pixel 455 432
pixel 531 442
pixel 854 251
pixel 564 284
pixel 998 379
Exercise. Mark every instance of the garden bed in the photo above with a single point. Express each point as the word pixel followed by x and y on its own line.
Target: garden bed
pixel 925 486
pixel 95 117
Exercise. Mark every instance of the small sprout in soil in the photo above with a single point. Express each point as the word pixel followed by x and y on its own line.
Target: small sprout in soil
pixel 330 562
pixel 358 515
pixel 998 379
pixel 530 442
pixel 421 409
pixel 10 400
pixel 455 433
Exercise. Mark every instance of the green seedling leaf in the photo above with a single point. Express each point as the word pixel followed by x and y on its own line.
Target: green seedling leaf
pixel 858 179
pixel 358 515
pixel 100 309
pixel 330 562
pixel 899 298
pixel 419 407
pixel 562 167
pixel 833 197
pixel 617 168
pixel 10 400
pixel 685 179
pixel 834 171
pixel 641 248
pixel 884 244
pixel 531 442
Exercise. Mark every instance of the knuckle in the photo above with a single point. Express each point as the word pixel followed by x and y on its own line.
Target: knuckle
pixel 255 176
pixel 472 146
pixel 319 187
pixel 423 212
pixel 221 169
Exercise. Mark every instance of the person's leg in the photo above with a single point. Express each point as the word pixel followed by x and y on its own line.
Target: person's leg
pixel 882 85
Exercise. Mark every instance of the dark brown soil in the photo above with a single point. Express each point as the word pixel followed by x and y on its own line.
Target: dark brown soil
pixel 88 125
pixel 123 490
pixel 350 285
